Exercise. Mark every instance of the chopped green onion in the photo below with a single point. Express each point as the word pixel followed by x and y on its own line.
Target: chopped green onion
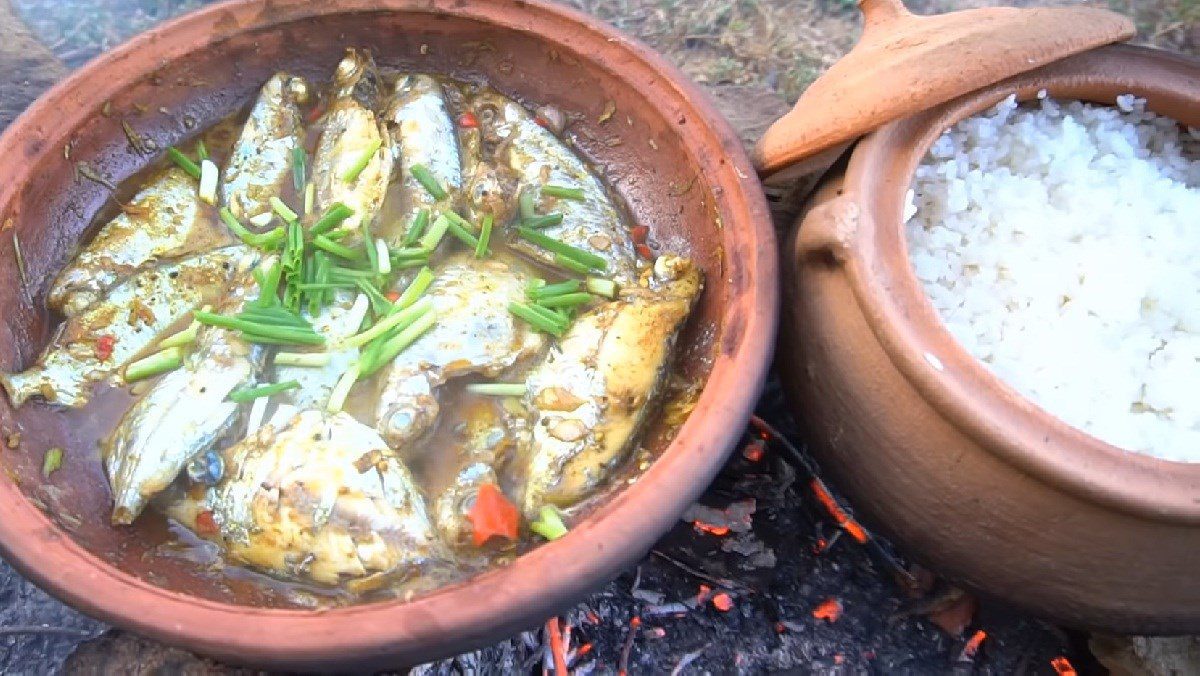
pixel 201 150
pixel 274 316
pixel 341 251
pixel 251 393
pixel 408 264
pixel 333 217
pixel 562 248
pixel 310 359
pixel 602 287
pixel 525 205
pixel 563 192
pixel 398 343
pixel 420 222
pixel 359 165
pixel 499 389
pixel 299 171
pixel 339 272
pixel 463 234
pixel 285 212
pixel 383 258
pixel 550 524
pixel 415 289
pixel 379 304
pixel 566 300
pixel 269 286
pixel 157 363
pixel 252 331
pixel 434 235
pixel 485 236
pixel 428 181
pixel 408 252
pixel 539 222
pixel 559 317
pixel 185 163
pixel 209 176
pixel 52 461
pixel 571 264
pixel 325 286
pixel 547 290
pixel 536 320
pixel 401 319
pixel 266 240
pixel 337 398
pixel 185 337
pixel 310 197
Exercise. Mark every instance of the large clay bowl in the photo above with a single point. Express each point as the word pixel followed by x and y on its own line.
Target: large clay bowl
pixel 675 162
pixel 936 451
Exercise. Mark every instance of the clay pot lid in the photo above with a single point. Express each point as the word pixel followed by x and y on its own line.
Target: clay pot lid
pixel 905 63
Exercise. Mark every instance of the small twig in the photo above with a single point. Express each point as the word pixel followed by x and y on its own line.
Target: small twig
pixel 556 647
pixel 626 650
pixel 719 581
pixel 687 659
pixel 637 581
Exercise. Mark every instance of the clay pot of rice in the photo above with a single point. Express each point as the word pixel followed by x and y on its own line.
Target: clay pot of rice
pixel 992 331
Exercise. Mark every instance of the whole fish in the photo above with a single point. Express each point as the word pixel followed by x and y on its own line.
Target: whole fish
pixel 183 414
pixel 475 333
pixel 261 162
pixel 321 500
pixel 94 345
pixel 165 220
pixel 350 131
pixel 541 159
pixel 336 321
pixel 592 394
pixel 422 134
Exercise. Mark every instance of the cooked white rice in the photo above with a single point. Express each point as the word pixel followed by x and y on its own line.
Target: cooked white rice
pixel 1060 242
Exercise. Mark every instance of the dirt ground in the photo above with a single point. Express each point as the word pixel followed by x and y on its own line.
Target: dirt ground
pixel 755 57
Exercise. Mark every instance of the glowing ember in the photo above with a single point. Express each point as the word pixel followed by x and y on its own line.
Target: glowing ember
pixel 829 610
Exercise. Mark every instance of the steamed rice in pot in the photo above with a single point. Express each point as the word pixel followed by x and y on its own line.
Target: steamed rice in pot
pixel 1059 242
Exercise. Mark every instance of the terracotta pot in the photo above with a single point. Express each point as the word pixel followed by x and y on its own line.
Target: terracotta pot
pixel 678 165
pixel 949 461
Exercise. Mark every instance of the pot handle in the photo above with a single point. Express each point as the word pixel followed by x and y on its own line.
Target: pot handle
pixel 831 230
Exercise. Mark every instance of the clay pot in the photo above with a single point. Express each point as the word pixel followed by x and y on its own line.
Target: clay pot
pixel 950 462
pixel 677 164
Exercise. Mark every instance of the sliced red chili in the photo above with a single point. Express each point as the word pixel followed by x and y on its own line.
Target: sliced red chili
pixel 206 525
pixel 468 120
pixel 640 234
pixel 644 251
pixel 104 347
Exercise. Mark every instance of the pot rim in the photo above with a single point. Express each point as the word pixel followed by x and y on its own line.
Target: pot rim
pixel 535 585
pixel 912 333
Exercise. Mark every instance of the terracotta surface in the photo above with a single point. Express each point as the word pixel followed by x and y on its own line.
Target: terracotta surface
pixel 906 63
pixel 948 460
pixel 678 166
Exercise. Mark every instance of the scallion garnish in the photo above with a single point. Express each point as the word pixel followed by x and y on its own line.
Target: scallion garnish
pixel 549 220
pixel 571 264
pixel 52 461
pixel 566 300
pixel 332 218
pixel 251 393
pixel 563 249
pixel 416 289
pixel 185 337
pixel 379 304
pixel 254 331
pixel 310 197
pixel 341 251
pixel 397 344
pixel 602 287
pixel 485 236
pixel 359 165
pixel 309 359
pixel 417 228
pixel 201 150
pixel 337 398
pixel 434 235
pixel 383 257
pixel 157 363
pixel 563 192
pixel 498 389
pixel 549 524
pixel 209 176
pixel 536 319
pixel 398 320
pixel 462 234
pixel 285 212
pixel 559 317
pixel 267 240
pixel 428 181
pixel 299 170
pixel 525 206
pixel 547 290
pixel 185 163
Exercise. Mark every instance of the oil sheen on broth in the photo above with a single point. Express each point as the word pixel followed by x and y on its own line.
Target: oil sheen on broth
pixel 400 339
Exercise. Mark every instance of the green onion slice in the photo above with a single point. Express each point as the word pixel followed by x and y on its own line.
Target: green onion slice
pixel 52 461
pixel 499 389
pixel 428 181
pixel 562 248
pixel 485 236
pixel 420 222
pixel 536 319
pixel 540 222
pixel 333 217
pixel 547 290
pixel 549 524
pixel 309 359
pixel 156 364
pixel 361 163
pixel 299 170
pixel 566 300
pixel 563 192
pixel 251 393
pixel 184 162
